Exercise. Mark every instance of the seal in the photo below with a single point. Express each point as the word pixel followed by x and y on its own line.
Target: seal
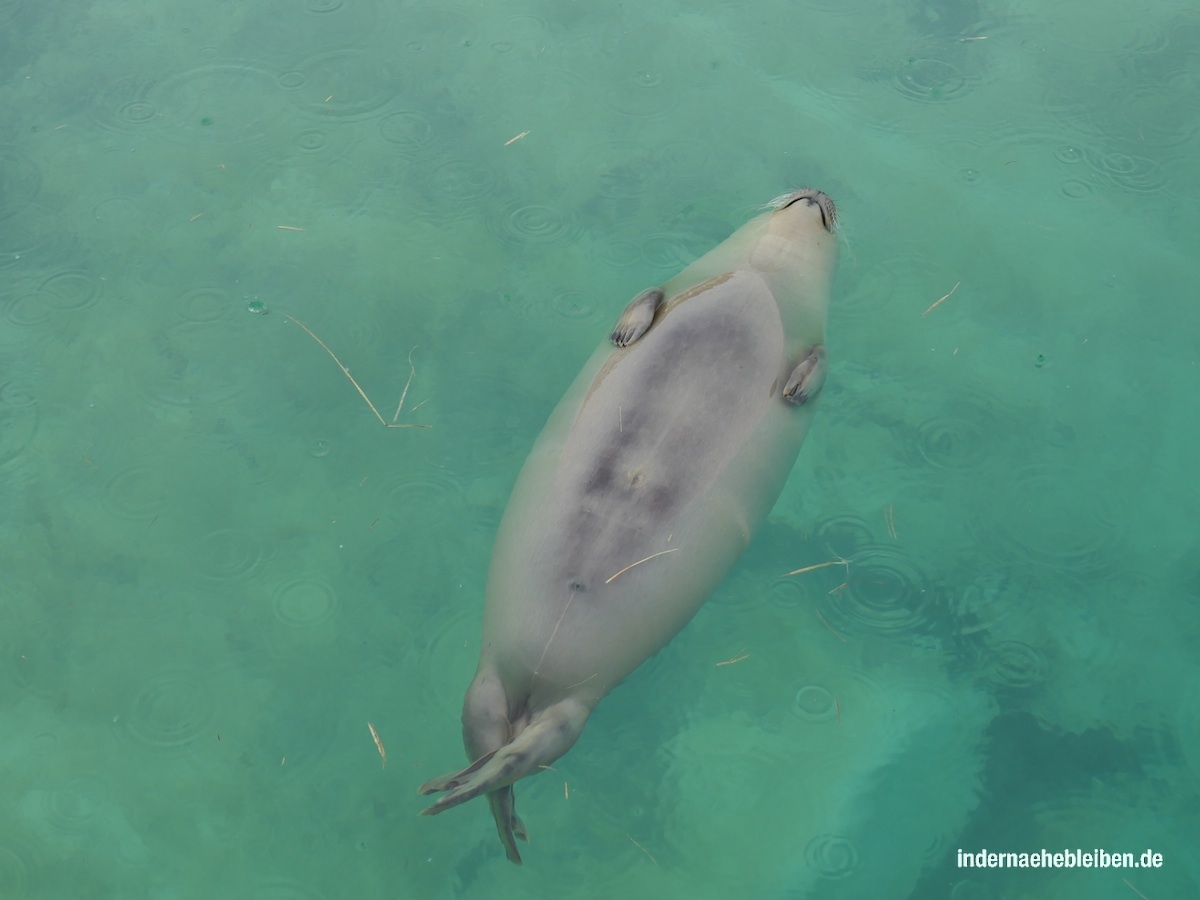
pixel 644 488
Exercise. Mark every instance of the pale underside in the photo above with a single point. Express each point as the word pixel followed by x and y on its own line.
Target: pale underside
pixel 672 451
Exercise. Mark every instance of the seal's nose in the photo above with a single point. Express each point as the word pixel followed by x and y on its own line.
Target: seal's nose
pixel 810 197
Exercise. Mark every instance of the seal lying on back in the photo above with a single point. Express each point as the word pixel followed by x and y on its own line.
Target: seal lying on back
pixel 643 489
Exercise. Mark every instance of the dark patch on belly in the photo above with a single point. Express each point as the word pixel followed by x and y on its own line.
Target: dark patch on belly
pixel 601 478
pixel 662 499
pixel 644 462
pixel 591 548
pixel 612 460
pixel 654 433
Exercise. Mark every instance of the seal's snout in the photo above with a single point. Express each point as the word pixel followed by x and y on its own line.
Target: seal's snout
pixel 809 197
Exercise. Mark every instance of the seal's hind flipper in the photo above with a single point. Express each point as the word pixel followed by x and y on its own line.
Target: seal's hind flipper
pixel 454 779
pixel 807 378
pixel 508 823
pixel 546 738
pixel 635 320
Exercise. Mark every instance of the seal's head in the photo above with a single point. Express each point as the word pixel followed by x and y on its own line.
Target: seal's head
pixel 809 200
pixel 794 247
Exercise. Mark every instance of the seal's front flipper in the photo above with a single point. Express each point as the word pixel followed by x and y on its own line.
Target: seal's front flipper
pixel 635 320
pixel 807 378
pixel 547 737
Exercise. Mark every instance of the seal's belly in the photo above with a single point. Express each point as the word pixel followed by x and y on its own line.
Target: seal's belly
pixel 632 530
pixel 663 420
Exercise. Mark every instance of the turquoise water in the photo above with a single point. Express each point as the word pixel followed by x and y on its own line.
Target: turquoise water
pixel 218 567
